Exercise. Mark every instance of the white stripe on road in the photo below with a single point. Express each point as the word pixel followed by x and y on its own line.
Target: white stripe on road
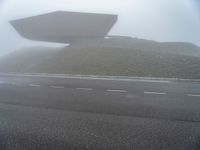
pixel 93 77
pixel 194 95
pixel 120 91
pixel 87 89
pixel 34 85
pixel 156 93
pixel 57 87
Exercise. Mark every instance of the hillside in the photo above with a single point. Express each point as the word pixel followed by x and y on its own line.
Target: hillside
pixel 123 42
pixel 120 56
pixel 26 59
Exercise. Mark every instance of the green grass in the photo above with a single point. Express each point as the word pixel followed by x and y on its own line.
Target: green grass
pixel 103 60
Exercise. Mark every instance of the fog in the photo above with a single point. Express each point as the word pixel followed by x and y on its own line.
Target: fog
pixel 160 20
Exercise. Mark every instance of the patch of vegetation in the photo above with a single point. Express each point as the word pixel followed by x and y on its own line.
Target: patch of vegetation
pixel 103 60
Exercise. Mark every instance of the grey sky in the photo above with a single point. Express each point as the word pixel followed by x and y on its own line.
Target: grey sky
pixel 161 20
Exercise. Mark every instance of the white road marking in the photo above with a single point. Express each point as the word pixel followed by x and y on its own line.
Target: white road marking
pixel 194 95
pixel 153 81
pixel 87 89
pixel 94 77
pixel 156 93
pixel 34 85
pixel 120 91
pixel 57 87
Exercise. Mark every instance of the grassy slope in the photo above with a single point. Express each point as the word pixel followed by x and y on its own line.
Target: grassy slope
pixel 26 59
pixel 125 62
pixel 105 59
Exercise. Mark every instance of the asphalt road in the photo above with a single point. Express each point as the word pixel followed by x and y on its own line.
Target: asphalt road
pixel 54 113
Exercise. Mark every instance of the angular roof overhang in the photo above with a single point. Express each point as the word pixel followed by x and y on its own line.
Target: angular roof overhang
pixel 64 27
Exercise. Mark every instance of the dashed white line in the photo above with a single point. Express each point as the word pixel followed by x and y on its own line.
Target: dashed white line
pixel 156 93
pixel 57 87
pixel 194 95
pixel 87 89
pixel 34 85
pixel 120 91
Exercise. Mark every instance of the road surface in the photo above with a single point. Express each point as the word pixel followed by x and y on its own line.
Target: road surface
pixel 56 113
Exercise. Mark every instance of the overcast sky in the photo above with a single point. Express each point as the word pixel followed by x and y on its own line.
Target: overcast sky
pixel 160 20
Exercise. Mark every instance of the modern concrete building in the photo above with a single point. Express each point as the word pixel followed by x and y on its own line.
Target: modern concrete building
pixel 64 27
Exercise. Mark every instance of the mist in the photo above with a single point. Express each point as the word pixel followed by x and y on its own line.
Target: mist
pixel 160 20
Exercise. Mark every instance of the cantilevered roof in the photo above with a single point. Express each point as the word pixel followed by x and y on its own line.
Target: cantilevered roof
pixel 64 27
